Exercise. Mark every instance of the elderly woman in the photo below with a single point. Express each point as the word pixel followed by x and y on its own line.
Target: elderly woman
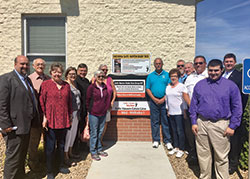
pixel 70 76
pixel 111 93
pixel 97 103
pixel 56 104
pixel 176 94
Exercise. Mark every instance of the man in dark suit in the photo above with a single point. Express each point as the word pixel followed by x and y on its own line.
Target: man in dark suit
pixel 18 111
pixel 236 140
pixel 82 84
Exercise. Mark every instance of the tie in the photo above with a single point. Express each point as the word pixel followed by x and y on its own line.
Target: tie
pixel 32 99
pixel 29 90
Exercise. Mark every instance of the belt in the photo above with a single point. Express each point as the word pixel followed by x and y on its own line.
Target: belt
pixel 212 120
pixel 159 98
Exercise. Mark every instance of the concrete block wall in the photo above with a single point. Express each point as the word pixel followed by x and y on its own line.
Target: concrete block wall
pixel 96 28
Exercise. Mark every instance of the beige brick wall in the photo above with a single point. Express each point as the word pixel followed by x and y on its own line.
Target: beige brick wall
pixel 96 28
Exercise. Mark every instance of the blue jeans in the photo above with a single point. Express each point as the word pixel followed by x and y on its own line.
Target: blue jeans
pixel 96 124
pixel 53 136
pixel 158 115
pixel 176 122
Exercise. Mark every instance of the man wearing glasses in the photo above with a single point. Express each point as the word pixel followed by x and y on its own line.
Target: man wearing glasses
pixel 35 133
pixel 180 65
pixel 199 74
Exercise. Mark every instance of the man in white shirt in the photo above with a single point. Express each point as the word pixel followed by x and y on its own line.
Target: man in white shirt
pixel 189 68
pixel 199 74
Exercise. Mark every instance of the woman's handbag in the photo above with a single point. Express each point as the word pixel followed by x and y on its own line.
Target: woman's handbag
pixel 85 133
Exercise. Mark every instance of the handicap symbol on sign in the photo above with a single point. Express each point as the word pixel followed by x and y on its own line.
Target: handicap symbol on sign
pixel 246 76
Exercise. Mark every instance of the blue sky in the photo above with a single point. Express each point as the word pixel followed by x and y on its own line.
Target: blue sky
pixel 223 26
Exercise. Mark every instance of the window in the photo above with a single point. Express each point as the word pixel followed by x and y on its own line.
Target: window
pixel 45 37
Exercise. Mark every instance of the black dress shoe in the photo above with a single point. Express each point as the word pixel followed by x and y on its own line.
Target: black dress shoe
pixel 232 170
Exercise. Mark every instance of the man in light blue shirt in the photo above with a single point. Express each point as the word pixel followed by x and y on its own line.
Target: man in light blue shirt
pixel 155 86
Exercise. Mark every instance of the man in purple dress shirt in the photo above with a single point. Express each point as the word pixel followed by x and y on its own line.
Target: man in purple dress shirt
pixel 215 112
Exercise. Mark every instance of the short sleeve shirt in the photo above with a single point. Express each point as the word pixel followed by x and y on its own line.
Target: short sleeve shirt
pixel 174 99
pixel 157 83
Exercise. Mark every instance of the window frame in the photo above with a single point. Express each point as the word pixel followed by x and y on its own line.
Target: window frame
pixel 25 44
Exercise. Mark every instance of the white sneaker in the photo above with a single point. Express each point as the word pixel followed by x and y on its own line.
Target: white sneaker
pixel 169 146
pixel 173 151
pixel 155 144
pixel 179 154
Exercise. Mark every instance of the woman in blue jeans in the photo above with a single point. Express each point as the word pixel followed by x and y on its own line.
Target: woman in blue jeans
pixel 97 103
pixel 56 104
pixel 176 94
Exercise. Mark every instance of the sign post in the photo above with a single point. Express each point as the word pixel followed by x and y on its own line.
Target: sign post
pixel 246 90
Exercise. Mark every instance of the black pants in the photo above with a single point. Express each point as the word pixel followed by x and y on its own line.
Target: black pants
pixel 190 138
pixel 236 143
pixel 16 151
pixel 55 137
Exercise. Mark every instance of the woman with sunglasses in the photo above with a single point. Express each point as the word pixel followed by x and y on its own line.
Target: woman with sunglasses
pixel 111 94
pixel 97 104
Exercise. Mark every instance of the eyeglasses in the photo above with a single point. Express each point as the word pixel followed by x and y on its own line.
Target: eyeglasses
pixel 180 66
pixel 101 76
pixel 104 69
pixel 40 64
pixel 200 63
pixel 173 76
pixel 72 74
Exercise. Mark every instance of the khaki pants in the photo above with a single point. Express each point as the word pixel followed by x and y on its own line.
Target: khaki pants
pixel 210 136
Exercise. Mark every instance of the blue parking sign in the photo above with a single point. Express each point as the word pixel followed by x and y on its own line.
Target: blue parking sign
pixel 246 76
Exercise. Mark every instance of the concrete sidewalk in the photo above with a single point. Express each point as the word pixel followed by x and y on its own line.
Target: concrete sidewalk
pixel 132 160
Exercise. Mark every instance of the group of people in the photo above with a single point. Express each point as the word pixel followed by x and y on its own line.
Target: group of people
pixel 199 108
pixel 61 108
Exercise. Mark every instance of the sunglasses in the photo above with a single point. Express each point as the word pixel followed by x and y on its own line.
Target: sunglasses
pixel 104 69
pixel 101 76
pixel 200 63
pixel 180 66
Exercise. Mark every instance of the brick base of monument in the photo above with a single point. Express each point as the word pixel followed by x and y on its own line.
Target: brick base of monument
pixel 128 129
